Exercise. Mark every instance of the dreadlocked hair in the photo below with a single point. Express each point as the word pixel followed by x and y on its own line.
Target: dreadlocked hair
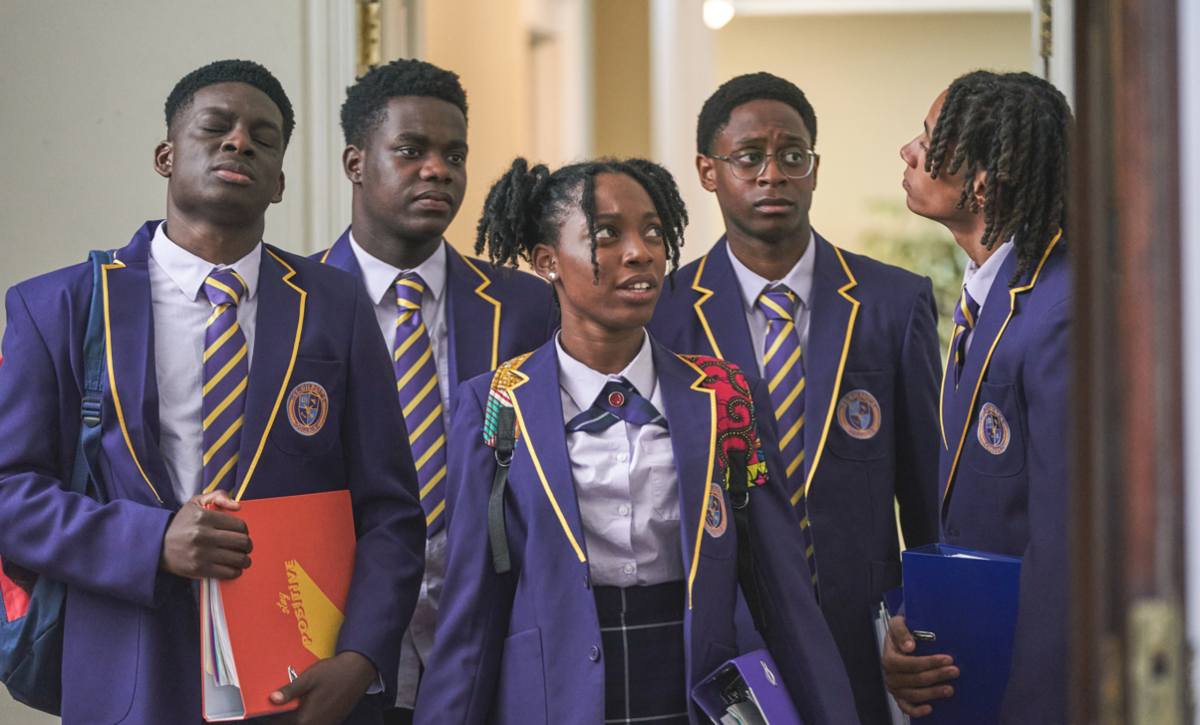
pixel 528 206
pixel 1016 128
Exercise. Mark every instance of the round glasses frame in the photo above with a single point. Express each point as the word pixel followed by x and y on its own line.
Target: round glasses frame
pixel 752 171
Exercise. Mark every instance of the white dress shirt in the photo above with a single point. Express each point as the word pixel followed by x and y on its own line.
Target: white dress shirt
pixel 181 311
pixel 799 280
pixel 379 277
pixel 978 280
pixel 625 480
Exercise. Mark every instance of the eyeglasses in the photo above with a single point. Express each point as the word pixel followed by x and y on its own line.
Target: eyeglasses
pixel 749 164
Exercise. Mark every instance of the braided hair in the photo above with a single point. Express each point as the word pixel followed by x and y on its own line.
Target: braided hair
pixel 1016 128
pixel 528 206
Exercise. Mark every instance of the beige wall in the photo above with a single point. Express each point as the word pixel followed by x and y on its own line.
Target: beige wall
pixel 621 72
pixel 871 80
pixel 485 42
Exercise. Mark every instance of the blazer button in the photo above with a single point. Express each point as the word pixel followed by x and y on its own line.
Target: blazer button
pixel 594 654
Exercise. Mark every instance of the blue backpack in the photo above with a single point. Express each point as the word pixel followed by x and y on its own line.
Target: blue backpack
pixel 32 608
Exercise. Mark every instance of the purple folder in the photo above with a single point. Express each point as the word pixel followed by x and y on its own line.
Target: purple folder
pixel 755 677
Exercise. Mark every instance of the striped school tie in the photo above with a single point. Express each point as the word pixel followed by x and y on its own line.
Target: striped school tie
pixel 966 312
pixel 226 371
pixel 784 368
pixel 618 400
pixel 421 399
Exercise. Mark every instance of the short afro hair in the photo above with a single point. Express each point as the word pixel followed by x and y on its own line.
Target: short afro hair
pixel 367 100
pixel 231 71
pixel 741 90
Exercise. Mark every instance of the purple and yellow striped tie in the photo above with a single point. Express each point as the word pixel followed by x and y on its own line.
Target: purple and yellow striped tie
pixel 421 399
pixel 226 370
pixel 965 315
pixel 784 370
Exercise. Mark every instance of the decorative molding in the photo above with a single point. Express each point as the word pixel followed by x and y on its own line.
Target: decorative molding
pixel 854 7
pixel 329 69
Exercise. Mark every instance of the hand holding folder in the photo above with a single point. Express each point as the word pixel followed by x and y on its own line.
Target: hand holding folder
pixel 206 540
pixel 914 680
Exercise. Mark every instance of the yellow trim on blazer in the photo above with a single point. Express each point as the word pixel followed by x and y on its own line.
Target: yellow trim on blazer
pixel 512 392
pixel 837 382
pixel 287 376
pixel 112 378
pixel 1012 304
pixel 705 294
pixel 326 255
pixel 712 450
pixel 495 303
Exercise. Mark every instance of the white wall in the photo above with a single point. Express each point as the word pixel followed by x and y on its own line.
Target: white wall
pixel 83 83
pixel 1189 104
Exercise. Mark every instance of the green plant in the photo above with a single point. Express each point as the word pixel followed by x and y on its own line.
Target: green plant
pixel 922 246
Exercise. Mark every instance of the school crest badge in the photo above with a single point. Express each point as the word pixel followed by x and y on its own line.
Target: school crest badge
pixel 993 430
pixel 715 519
pixel 858 414
pixel 307 407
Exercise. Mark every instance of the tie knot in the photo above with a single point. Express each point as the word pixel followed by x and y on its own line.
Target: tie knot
pixel 966 312
pixel 778 303
pixel 618 400
pixel 224 288
pixel 409 288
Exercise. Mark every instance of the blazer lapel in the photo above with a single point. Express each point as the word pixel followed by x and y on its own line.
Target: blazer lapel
pixel 132 383
pixel 721 311
pixel 540 416
pixel 341 255
pixel 473 317
pixel 830 330
pixel 993 321
pixel 278 327
pixel 693 410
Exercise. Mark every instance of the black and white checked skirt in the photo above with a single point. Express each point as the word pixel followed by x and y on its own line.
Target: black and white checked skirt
pixel 645 680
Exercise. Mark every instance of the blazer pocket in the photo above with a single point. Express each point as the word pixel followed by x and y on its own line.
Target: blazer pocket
pixel 521 696
pixel 861 427
pixel 995 444
pixel 308 422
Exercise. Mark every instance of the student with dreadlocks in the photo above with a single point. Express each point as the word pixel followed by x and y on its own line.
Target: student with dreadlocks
pixel 444 318
pixel 599 583
pixel 848 346
pixel 991 166
pixel 211 337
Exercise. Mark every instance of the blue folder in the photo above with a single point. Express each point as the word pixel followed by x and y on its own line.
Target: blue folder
pixel 966 601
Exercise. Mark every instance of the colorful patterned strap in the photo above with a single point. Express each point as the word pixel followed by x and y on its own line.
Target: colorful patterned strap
pixel 736 430
pixel 500 396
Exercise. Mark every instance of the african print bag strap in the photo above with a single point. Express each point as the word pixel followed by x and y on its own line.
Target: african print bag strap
pixel 742 461
pixel 501 431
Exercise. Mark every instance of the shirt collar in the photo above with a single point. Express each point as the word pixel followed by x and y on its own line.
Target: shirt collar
pixel 584 384
pixel 978 278
pixel 799 279
pixel 188 271
pixel 379 276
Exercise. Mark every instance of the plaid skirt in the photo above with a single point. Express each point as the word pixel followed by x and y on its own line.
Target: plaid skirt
pixel 645 680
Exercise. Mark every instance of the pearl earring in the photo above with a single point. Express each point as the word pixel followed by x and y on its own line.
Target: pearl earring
pixel 553 276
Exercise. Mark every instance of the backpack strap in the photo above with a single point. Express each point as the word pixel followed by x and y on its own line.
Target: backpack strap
pixel 743 463
pixel 501 431
pixel 85 479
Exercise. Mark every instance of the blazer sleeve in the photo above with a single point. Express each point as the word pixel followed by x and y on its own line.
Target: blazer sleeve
pixel 797 636
pixel 476 604
pixel 111 549
pixel 1037 689
pixel 389 522
pixel 917 426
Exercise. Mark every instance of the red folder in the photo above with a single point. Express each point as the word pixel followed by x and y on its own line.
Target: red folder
pixel 281 615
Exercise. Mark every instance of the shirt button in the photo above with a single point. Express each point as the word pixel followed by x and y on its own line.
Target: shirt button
pixel 628 568
pixel 623 510
pixel 622 457
pixel 594 654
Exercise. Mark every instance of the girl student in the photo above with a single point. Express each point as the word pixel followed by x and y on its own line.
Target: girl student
pixel 599 584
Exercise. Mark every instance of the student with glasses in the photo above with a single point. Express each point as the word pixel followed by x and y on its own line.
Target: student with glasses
pixel 848 348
